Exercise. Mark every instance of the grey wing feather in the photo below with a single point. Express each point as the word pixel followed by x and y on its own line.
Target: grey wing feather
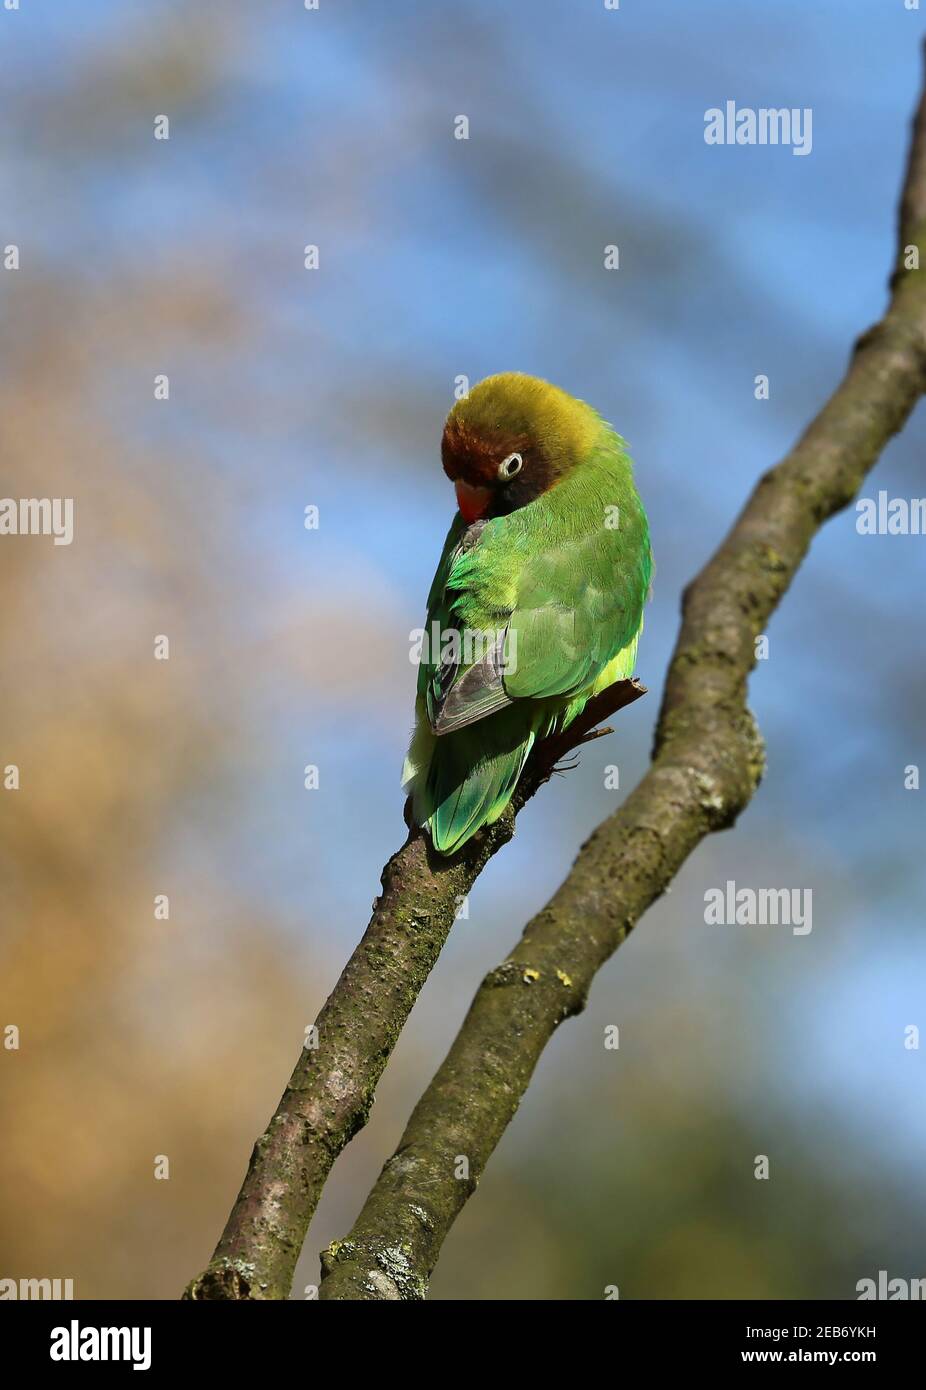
pixel 480 691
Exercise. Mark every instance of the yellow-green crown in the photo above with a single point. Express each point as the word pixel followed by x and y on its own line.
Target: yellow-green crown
pixel 511 404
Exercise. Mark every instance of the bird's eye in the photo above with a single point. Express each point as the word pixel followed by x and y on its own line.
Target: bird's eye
pixel 510 466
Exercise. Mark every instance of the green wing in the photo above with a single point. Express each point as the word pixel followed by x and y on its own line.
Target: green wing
pixel 578 606
pixel 542 620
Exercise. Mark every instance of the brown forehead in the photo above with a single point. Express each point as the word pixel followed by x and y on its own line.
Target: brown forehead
pixel 469 455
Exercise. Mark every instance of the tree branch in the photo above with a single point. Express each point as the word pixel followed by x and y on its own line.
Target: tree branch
pixel 707 762
pixel 330 1093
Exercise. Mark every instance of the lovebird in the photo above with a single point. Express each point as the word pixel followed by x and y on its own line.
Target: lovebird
pixel 537 603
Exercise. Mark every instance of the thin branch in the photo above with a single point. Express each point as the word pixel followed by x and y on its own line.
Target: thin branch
pixel 707 762
pixel 546 757
pixel 330 1093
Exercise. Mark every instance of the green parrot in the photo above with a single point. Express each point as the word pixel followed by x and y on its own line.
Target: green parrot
pixel 537 603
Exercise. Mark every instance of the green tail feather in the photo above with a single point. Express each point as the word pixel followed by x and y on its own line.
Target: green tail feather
pixel 467 797
pixel 464 780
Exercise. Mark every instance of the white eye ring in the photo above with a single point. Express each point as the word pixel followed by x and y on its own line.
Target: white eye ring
pixel 510 466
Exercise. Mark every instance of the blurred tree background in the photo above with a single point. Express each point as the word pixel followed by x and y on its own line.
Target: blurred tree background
pixel 438 257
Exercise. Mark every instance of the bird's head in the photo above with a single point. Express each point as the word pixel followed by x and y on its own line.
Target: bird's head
pixel 511 439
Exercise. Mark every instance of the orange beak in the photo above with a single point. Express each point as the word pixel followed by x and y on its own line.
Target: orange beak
pixel 472 501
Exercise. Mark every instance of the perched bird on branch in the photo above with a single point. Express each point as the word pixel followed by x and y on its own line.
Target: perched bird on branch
pixel 537 603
